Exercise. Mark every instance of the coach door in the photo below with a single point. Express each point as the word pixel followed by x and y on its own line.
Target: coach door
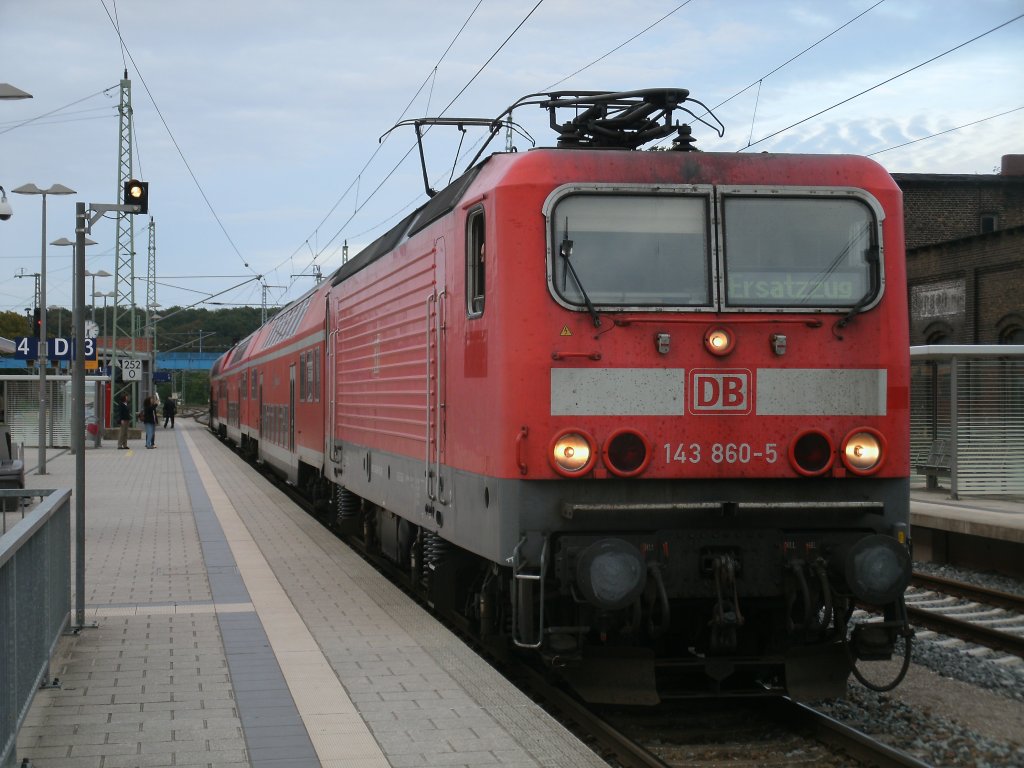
pixel 291 408
pixel 259 410
pixel 438 485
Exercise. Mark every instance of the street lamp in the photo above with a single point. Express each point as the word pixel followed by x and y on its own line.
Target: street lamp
pixel 32 189
pixel 151 320
pixel 94 275
pixel 64 241
pixel 60 317
pixel 103 327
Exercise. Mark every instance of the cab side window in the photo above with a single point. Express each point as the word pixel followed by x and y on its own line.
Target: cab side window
pixel 476 248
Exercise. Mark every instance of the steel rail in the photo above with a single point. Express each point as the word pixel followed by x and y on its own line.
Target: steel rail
pixel 964 628
pixel 858 745
pixel 985 595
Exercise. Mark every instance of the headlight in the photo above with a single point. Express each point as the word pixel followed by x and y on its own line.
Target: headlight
pixel 572 453
pixel 719 341
pixel 864 451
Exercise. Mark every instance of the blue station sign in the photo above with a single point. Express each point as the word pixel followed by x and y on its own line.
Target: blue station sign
pixel 27 348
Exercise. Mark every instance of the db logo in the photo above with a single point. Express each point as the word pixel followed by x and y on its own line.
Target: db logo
pixel 720 391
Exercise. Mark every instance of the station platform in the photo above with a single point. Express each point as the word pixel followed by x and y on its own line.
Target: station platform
pixel 996 518
pixel 232 630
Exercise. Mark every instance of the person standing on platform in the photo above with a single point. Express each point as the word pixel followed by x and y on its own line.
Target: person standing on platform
pixel 124 418
pixel 148 416
pixel 170 409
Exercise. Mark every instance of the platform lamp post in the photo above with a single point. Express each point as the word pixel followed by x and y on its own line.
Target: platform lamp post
pixel 151 320
pixel 102 295
pixel 94 275
pixel 32 189
pixel 63 241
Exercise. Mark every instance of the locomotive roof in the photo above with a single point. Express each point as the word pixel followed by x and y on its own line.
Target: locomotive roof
pixel 439 205
pixel 601 119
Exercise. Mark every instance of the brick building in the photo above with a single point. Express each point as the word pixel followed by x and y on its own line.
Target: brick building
pixel 965 255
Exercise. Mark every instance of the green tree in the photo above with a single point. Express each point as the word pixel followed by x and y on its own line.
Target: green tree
pixel 13 324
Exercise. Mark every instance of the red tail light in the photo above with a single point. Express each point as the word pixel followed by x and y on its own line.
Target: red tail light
pixel 627 453
pixel 812 453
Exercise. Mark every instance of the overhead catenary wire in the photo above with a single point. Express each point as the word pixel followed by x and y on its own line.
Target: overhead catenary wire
pixel 430 76
pixel 395 168
pixel 174 141
pixel 884 82
pixel 621 45
pixel 942 133
pixel 23 123
pixel 791 59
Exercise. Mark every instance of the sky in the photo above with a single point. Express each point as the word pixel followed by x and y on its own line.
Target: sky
pixel 258 124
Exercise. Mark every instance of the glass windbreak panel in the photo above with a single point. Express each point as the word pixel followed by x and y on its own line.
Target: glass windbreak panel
pixel 631 250
pixel 798 252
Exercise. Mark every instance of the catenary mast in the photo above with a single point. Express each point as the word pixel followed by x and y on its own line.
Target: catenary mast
pixel 125 323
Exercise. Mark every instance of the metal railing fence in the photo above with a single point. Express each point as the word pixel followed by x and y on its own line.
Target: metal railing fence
pixel 35 605
pixel 967 417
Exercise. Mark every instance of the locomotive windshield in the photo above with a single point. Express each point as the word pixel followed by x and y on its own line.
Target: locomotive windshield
pixel 631 250
pixel 616 248
pixel 798 252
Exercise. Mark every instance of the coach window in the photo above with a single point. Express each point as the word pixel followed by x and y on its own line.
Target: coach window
pixel 476 250
pixel 316 376
pixel 800 252
pixel 310 381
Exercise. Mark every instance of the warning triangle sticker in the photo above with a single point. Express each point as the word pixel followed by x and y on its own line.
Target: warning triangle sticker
pixel 565 331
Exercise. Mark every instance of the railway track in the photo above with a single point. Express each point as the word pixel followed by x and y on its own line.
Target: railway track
pixel 740 734
pixel 974 614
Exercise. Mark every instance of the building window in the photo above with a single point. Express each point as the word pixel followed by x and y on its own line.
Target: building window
pixel 1012 335
pixel 989 223
pixel 475 262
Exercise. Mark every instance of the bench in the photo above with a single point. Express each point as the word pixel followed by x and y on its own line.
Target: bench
pixel 938 463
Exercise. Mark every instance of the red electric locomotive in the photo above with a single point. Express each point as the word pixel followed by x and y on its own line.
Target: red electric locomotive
pixel 644 413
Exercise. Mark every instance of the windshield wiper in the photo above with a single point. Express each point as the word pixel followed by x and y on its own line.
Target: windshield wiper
pixel 566 251
pixel 872 257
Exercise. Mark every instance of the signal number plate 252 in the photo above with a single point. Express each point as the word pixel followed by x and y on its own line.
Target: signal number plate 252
pixel 720 453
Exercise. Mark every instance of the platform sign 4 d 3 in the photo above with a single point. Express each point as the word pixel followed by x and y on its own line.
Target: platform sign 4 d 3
pixel 27 348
